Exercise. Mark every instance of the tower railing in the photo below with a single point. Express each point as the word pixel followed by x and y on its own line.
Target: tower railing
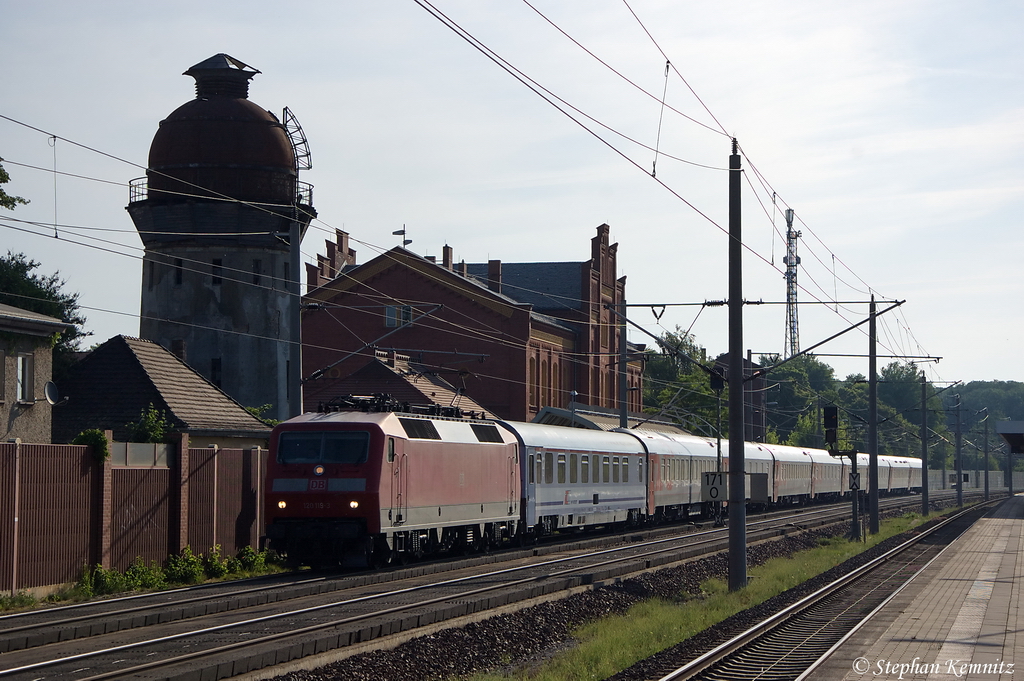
pixel 138 190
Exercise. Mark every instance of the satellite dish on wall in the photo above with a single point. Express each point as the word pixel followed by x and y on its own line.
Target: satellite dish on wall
pixel 52 394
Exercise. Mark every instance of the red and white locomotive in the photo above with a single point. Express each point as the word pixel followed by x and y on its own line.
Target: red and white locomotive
pixel 361 487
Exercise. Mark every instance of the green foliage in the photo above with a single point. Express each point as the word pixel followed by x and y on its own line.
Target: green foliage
pixel 6 200
pixel 107 581
pixel 185 568
pixel 20 287
pixel 94 438
pixel 214 564
pixel 259 411
pixel 677 387
pixel 140 576
pixel 252 560
pixel 17 601
pixel 152 426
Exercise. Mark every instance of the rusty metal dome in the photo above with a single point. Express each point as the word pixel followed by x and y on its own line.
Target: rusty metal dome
pixel 221 144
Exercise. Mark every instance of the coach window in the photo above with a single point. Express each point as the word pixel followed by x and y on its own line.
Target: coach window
pixel 573 473
pixel 549 468
pixel 529 467
pixel 615 469
pixel 585 469
pixel 391 449
pixel 561 469
pixel 605 465
pixel 625 469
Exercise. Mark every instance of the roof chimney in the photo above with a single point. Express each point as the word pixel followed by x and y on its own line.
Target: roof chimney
pixel 494 275
pixel 446 258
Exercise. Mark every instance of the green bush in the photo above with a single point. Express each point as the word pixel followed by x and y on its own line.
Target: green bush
pixel 152 426
pixel 214 565
pixel 95 439
pixel 18 600
pixel 185 568
pixel 106 582
pixel 252 560
pixel 139 576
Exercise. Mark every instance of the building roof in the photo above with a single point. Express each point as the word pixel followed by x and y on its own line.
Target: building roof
pixel 16 320
pixel 470 286
pixel 545 285
pixel 394 375
pixel 111 386
pixel 597 418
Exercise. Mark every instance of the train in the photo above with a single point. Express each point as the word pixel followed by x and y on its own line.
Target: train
pixel 364 487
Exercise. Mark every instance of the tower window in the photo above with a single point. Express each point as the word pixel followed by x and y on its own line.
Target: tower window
pixel 216 271
pixel 215 371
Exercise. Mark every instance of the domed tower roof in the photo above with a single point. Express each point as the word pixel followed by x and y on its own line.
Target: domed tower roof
pixel 221 144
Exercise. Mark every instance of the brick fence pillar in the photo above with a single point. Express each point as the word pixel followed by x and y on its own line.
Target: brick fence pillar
pixel 178 529
pixel 105 504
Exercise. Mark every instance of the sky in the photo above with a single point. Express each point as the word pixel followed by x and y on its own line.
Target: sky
pixel 895 132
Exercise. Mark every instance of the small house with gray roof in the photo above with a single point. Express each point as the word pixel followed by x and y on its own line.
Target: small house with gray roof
pixel 117 381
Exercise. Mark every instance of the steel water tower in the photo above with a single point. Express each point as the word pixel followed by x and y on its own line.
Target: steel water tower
pixel 219 210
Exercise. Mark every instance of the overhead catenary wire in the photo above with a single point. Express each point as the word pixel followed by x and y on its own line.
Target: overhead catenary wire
pixel 751 164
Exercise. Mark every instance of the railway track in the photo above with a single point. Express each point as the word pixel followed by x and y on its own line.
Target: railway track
pixel 790 644
pixel 232 630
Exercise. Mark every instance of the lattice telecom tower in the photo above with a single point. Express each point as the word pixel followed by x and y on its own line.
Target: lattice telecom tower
pixel 791 260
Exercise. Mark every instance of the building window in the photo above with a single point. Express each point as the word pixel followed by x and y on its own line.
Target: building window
pixel 26 381
pixel 257 265
pixel 178 266
pixel 216 271
pixel 215 371
pixel 397 315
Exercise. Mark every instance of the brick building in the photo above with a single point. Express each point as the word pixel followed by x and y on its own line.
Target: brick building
pixel 515 337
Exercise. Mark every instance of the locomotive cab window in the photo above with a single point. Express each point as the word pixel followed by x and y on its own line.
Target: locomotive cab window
pixel 345 447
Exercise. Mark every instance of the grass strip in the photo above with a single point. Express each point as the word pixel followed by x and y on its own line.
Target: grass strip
pixel 614 643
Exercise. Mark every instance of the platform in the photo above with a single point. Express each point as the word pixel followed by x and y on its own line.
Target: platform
pixel 959 619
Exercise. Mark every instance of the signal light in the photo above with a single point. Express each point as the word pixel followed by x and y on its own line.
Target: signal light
pixel 831 417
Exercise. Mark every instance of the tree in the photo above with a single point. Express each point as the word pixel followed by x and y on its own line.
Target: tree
pixel 796 390
pixel 6 200
pixel 152 426
pixel 21 287
pixel 676 386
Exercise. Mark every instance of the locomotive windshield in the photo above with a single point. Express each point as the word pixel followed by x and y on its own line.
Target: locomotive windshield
pixel 349 447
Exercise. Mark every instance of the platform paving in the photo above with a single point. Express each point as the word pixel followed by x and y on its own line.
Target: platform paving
pixel 959 619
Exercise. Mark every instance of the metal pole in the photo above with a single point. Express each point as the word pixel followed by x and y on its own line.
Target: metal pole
pixel 924 445
pixel 873 420
pixel 986 454
pixel 855 528
pixel 737 461
pixel 623 386
pixel 959 457
pixel 295 348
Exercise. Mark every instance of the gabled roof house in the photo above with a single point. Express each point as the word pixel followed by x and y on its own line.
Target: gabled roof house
pixel 113 384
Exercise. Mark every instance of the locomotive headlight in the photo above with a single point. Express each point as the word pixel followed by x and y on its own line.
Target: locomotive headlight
pixel 353 504
pixel 282 504
pixel 318 470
